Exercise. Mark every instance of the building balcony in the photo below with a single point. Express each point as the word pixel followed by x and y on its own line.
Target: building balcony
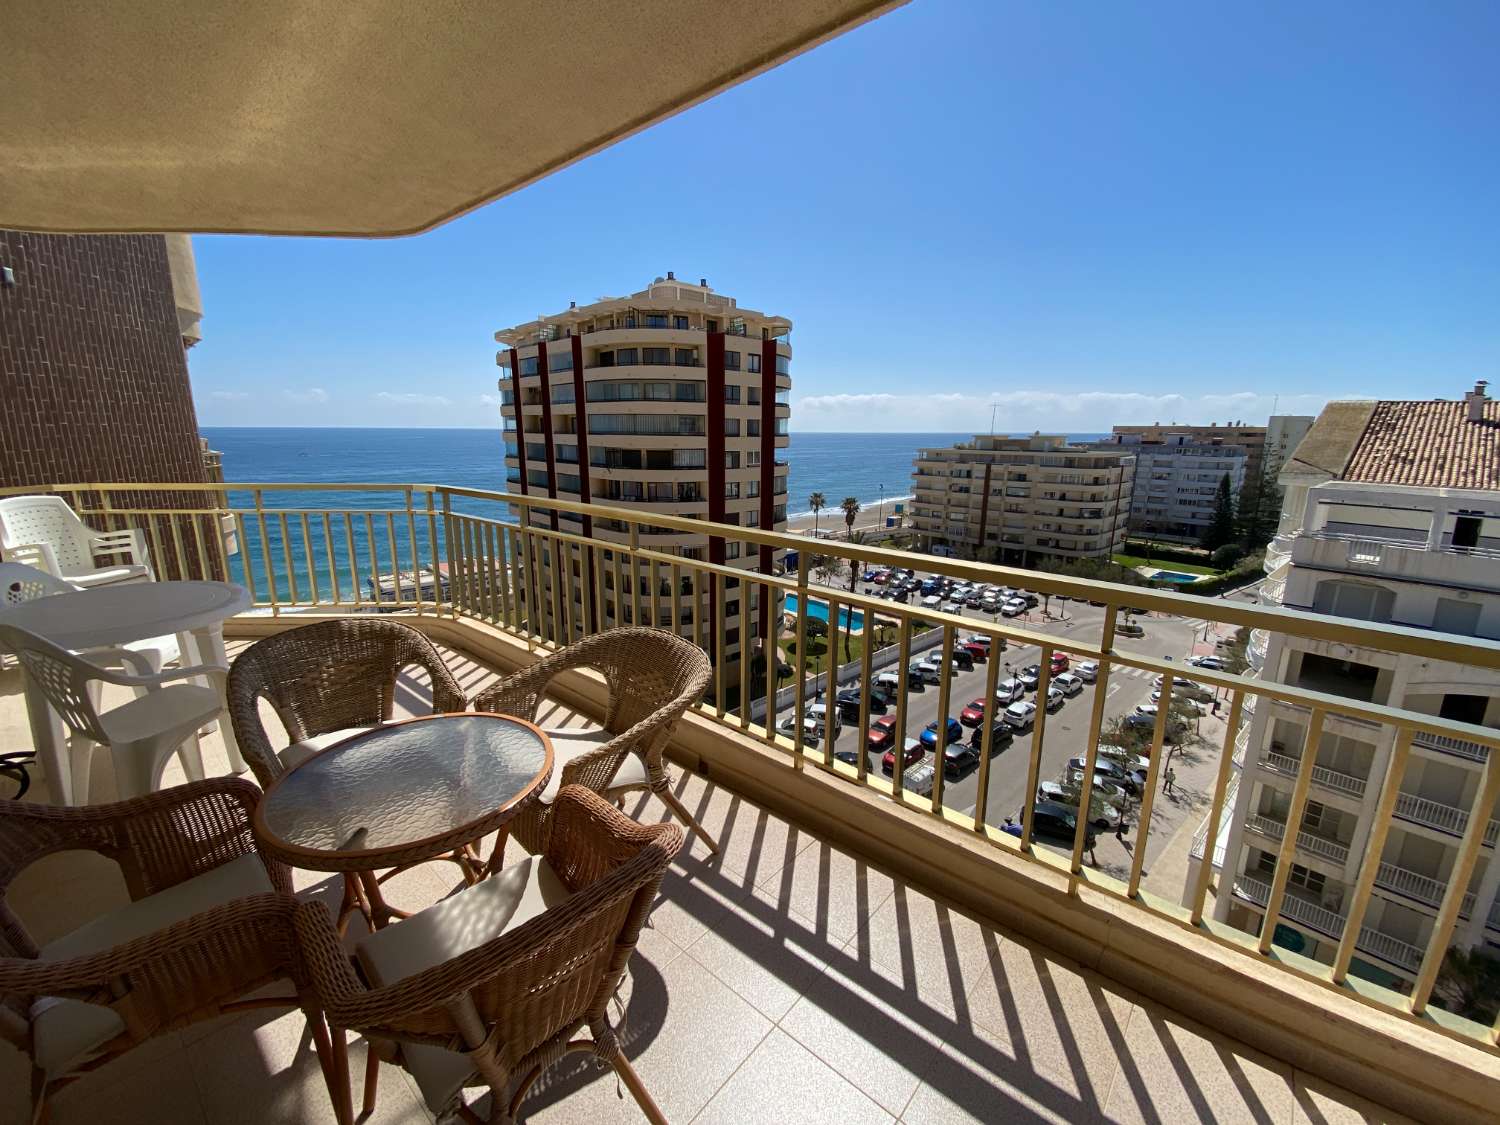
pixel 1329 923
pixel 1443 818
pixel 1323 847
pixel 852 933
pixel 1419 888
pixel 1377 553
pixel 1287 765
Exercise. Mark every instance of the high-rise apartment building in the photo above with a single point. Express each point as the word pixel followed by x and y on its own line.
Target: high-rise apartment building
pixel 670 401
pixel 1177 484
pixel 1020 500
pixel 1392 514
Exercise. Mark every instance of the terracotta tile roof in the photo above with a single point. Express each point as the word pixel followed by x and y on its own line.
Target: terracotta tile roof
pixel 1431 444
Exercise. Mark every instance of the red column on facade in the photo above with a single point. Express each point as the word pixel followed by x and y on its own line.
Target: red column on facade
pixel 714 353
pixel 515 395
pixel 767 461
pixel 585 493
pixel 541 369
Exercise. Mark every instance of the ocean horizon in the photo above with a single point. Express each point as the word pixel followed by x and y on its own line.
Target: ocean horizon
pixel 871 467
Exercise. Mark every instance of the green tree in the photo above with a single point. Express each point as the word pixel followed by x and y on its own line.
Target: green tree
pixel 817 502
pixel 1259 509
pixel 1469 984
pixel 850 507
pixel 1221 529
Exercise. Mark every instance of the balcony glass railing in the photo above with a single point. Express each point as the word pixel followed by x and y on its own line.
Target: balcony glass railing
pixel 340 548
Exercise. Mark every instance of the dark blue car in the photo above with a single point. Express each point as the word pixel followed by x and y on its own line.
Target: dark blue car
pixel 929 733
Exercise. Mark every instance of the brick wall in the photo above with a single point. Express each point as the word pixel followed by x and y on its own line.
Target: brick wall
pixel 93 373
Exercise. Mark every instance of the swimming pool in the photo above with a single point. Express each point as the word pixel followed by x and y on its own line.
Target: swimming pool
pixel 1176 576
pixel 819 610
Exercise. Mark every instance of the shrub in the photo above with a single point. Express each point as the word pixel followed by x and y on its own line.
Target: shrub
pixel 1227 555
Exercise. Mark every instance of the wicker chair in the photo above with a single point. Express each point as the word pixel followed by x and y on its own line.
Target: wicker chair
pixel 210 921
pixel 488 987
pixel 653 677
pixel 327 681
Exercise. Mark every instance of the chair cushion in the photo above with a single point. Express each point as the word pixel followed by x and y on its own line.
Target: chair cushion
pixel 109 575
pixel 65 1031
pixel 570 744
pixel 469 919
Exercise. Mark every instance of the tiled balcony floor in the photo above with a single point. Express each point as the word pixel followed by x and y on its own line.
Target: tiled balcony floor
pixel 782 981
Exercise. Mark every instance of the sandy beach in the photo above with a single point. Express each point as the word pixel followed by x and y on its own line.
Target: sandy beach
pixel 832 518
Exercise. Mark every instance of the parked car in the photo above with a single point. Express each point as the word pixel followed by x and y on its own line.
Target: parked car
pixel 930 673
pixel 919 779
pixel 812 730
pixel 848 755
pixel 1190 688
pixel 1106 771
pixel 931 601
pixel 912 755
pixel 849 703
pixel 1144 718
pixel 1212 663
pixel 818 713
pixel 974 599
pixel 954 732
pixel 1021 716
pixel 1059 662
pixel 1087 671
pixel 973 714
pixel 957 757
pixel 979 651
pixel 1055 698
pixel 881 732
pixel 1010 690
pixel 1001 736
pixel 1013 608
pixel 1031 600
pixel 889 683
pixel 1068 684
pixel 1105 814
pixel 963 659
pixel 1052 821
pixel 1030 676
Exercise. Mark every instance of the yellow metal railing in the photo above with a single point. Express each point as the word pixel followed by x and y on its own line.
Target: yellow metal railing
pixel 526 565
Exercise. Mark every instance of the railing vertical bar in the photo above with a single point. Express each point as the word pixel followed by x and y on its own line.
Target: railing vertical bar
pixel 992 714
pixel 717 625
pixel 439 575
pixel 1480 813
pixel 866 690
pixel 770 663
pixel 698 608
pixel 312 567
pixel 265 553
pixel 1091 749
pixel 217 523
pixel 359 586
pixel 473 592
pixel 503 573
pixel 371 554
pixel 562 553
pixel 175 523
pixel 416 557
pixel 1293 828
pixel 494 542
pixel 898 740
pixel 799 665
pixel 390 534
pixel 449 556
pixel 158 556
pixel 333 576
pixel 1038 735
pixel 558 576
pixel 1148 792
pixel 620 590
pixel 287 554
pixel 653 593
pixel 1216 807
pixel 1380 827
pixel 676 580
pixel 747 587
pixel 197 525
pixel 945 698
pixel 635 576
pixel 830 689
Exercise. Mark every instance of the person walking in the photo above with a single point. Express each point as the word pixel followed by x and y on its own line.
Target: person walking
pixel 1171 777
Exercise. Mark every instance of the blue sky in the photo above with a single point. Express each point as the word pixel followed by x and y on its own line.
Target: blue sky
pixel 1086 213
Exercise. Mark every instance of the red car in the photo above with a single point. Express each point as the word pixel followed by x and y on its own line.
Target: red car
pixel 1059 662
pixel 882 730
pixel 914 754
pixel 973 714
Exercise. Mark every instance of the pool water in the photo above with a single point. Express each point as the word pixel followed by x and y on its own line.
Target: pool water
pixel 820 611
pixel 1176 576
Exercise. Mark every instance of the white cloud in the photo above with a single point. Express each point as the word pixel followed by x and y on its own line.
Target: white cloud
pixel 413 399
pixel 489 400
pixel 1045 410
pixel 230 396
pixel 311 395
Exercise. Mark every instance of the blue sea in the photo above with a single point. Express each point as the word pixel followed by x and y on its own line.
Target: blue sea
pixel 865 466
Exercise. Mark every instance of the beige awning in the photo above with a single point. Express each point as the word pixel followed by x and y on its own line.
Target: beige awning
pixel 378 117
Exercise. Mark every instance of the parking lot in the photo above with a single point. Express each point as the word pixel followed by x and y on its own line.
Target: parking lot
pixel 1066 730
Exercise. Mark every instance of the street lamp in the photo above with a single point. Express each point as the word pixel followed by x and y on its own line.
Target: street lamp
pixel 880 514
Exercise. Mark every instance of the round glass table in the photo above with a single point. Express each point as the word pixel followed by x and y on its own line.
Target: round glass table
pixel 411 791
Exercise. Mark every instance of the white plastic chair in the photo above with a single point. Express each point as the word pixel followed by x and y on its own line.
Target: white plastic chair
pixel 21 583
pixel 141 735
pixel 44 532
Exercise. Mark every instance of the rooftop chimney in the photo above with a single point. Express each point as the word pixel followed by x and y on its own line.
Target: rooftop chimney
pixel 671 276
pixel 703 281
pixel 1475 401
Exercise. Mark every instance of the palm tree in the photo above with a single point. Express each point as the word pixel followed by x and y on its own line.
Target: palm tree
pixel 851 509
pixel 817 502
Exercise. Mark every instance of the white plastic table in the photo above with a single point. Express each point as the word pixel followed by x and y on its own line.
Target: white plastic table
pixel 115 615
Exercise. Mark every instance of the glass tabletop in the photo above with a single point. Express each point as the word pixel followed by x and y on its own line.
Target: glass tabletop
pixel 397 786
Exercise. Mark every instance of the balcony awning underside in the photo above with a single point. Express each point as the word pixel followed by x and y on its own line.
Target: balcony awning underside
pixel 372 118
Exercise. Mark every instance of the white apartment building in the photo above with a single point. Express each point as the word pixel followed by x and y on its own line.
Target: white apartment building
pixel 1018 500
pixel 671 401
pixel 1392 513
pixel 1177 483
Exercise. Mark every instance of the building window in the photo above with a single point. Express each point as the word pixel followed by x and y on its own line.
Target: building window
pixel 528 365
pixel 627 357
pixel 684 357
pixel 680 323
pixel 656 357
pixel 752 428
pixel 752 395
pixel 752 519
pixel 732 393
pixel 731 459
pixel 783 365
pixel 732 490
pixel 731 427
pixel 562 393
pixel 562 361
pixel 753 361
pixel 731 361
pixel 568 454
pixel 731 550
pixel 752 459
pixel 605 359
pixel 689 392
pixel 688 459
pixel 752 488
pixel 656 320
